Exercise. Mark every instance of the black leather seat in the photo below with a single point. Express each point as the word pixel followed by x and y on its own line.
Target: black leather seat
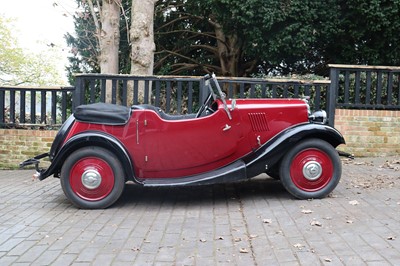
pixel 161 113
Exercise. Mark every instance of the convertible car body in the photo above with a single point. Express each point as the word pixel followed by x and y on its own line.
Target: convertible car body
pixel 102 146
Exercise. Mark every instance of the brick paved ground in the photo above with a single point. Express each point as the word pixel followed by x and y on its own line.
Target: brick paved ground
pixel 250 223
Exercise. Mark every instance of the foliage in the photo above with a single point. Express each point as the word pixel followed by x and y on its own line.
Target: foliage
pixel 21 67
pixel 277 36
pixel 262 36
pixel 84 44
pixel 367 33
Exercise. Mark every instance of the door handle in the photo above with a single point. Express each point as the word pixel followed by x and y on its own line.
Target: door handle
pixel 226 128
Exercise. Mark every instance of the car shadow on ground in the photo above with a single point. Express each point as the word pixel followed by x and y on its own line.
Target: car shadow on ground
pixel 260 187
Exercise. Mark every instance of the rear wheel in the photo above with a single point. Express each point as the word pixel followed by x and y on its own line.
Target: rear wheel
pixel 311 169
pixel 92 178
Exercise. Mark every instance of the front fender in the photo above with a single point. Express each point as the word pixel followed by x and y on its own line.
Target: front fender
pixel 90 138
pixel 273 150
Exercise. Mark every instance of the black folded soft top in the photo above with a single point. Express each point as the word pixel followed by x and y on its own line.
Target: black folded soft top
pixel 103 113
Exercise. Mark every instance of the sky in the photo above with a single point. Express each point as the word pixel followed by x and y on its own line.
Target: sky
pixel 39 23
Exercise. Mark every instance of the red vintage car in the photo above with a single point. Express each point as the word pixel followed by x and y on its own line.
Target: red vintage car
pixel 102 146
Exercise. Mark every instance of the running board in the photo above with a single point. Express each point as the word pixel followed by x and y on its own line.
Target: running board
pixel 230 173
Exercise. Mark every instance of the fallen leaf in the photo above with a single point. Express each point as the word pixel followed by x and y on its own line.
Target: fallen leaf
pixel 298 245
pixel 307 211
pixel 354 202
pixel 315 223
pixel 244 250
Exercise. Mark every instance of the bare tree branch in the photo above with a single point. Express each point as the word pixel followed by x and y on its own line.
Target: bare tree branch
pixel 96 21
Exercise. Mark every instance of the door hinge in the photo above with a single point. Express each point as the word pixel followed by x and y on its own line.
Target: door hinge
pixel 137 131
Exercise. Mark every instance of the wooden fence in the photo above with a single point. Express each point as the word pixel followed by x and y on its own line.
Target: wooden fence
pixel 351 87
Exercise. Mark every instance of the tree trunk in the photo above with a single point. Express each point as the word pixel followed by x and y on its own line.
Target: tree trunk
pixel 109 37
pixel 229 51
pixel 142 43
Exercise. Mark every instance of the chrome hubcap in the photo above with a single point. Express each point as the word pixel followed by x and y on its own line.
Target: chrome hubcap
pixel 91 179
pixel 312 170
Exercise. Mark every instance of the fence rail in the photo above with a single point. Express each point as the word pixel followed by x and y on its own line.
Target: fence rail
pixel 173 93
pixel 357 87
pixel 34 106
pixel 364 87
pixel 182 94
pixel 277 88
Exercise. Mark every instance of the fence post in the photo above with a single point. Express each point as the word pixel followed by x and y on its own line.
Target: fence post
pixel 2 107
pixel 331 95
pixel 78 95
pixel 203 91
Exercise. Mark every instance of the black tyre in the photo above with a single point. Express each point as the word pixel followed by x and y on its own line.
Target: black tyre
pixel 92 178
pixel 311 169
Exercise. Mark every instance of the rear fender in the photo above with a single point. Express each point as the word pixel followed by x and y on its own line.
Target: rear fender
pixel 91 138
pixel 268 155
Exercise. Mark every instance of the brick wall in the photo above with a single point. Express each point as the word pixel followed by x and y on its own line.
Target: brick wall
pixel 17 145
pixel 369 132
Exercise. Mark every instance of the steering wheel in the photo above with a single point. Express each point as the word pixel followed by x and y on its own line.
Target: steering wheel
pixel 206 106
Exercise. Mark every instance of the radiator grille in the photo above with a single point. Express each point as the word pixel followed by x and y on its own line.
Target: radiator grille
pixel 258 122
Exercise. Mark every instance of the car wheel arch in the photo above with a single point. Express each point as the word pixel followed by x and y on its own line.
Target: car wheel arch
pixel 95 139
pixel 295 140
pixel 273 151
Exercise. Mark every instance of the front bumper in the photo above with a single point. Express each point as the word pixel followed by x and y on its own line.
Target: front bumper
pixel 35 161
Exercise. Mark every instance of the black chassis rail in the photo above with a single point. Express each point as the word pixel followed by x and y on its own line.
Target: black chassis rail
pixel 35 161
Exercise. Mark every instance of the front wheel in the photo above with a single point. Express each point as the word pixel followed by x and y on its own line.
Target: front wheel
pixel 92 178
pixel 311 169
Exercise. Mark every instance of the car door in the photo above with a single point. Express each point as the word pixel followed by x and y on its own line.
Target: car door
pixel 177 148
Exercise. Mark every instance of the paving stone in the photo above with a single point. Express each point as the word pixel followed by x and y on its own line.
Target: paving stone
pixel 247 223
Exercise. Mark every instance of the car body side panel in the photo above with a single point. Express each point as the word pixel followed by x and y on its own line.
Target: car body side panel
pixel 266 118
pixel 187 147
pixel 161 148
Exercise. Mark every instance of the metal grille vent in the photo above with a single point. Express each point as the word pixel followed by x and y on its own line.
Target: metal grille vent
pixel 258 122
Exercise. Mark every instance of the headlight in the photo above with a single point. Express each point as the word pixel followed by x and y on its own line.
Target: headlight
pixel 319 117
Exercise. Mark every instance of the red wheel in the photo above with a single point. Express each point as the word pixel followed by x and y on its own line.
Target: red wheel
pixel 312 169
pixel 92 177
